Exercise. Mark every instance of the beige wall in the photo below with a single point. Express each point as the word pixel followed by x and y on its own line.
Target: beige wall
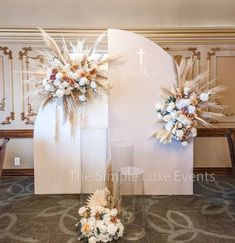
pixel 117 13
pixel 22 148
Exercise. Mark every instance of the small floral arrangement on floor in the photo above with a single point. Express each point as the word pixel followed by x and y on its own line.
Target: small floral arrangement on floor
pixel 187 105
pixel 99 220
pixel 72 74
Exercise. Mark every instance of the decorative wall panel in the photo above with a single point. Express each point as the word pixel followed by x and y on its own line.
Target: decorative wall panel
pixel 7 86
pixel 221 62
pixel 28 110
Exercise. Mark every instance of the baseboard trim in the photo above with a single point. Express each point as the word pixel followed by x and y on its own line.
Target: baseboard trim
pixel 17 172
pixel 213 170
pixel 196 170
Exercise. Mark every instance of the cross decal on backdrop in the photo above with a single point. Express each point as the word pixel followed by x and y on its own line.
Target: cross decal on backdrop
pixel 141 53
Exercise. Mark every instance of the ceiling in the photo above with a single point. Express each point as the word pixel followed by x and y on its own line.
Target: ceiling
pixel 117 13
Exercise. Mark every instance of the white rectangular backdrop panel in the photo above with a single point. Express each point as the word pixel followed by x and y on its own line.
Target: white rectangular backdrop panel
pixel 137 77
pixel 76 161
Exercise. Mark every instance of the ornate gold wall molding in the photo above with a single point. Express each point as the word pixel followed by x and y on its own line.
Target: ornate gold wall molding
pixel 186 52
pixel 6 51
pixel 3 99
pixel 212 55
pixel 2 104
pixel 213 51
pixel 9 118
pixel 27 112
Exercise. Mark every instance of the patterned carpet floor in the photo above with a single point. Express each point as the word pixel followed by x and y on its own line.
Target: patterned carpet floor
pixel 207 216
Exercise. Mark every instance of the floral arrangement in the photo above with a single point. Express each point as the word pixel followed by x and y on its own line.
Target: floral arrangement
pixel 70 75
pixel 187 105
pixel 99 220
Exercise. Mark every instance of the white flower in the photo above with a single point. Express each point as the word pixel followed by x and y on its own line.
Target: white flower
pixel 82 98
pixel 75 76
pixel 67 67
pixel 44 81
pixel 111 229
pixel 184 143
pixel 170 107
pixel 186 90
pixel 59 92
pixel 166 118
pixel 93 85
pixel 183 119
pixel 47 87
pixel 83 81
pixel 169 125
pixel 59 75
pixel 194 131
pixel 92 239
pixel 100 230
pixel 57 82
pixel 191 109
pixel 101 226
pixel 81 211
pixel 159 106
pixel 113 212
pixel 204 96
pixel 92 222
pixel 106 219
pixel 104 238
pixel 173 114
pixel 70 74
pixel 121 229
pixel 183 103
pixel 83 220
pixel 65 84
pixel 95 210
pixel 179 133
pixel 180 125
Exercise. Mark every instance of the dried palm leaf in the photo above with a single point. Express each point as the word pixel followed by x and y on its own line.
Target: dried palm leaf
pixel 212 116
pixel 98 198
pixel 168 91
pixel 50 42
pixel 97 41
pixel 66 50
pixel 164 136
pixel 109 179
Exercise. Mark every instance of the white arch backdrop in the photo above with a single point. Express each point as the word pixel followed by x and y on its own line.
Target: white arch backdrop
pixel 137 81
pixel 137 78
